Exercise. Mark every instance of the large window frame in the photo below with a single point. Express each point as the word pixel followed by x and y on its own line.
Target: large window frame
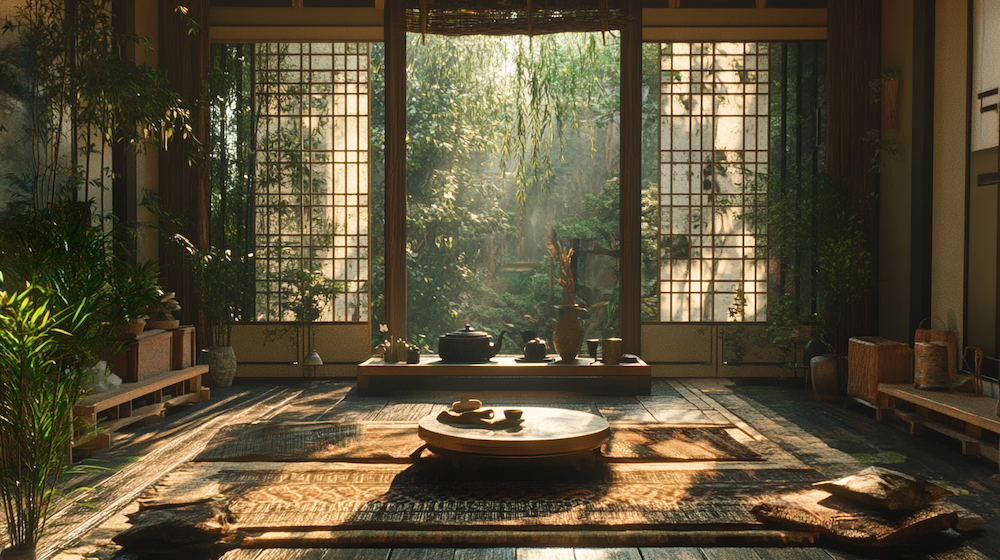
pixel 386 23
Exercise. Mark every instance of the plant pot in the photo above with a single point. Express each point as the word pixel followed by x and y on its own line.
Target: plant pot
pixel 19 552
pixel 568 336
pixel 131 329
pixel 169 324
pixel 825 375
pixel 221 362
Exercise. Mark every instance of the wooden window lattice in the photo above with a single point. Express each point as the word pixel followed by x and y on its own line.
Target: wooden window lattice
pixel 312 200
pixel 714 136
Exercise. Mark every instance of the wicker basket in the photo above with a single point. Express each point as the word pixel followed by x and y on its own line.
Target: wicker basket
pixel 873 360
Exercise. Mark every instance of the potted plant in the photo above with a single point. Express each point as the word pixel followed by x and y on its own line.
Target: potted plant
pixel 818 244
pixel 52 331
pixel 132 293
pixel 308 293
pixel 44 368
pixel 214 278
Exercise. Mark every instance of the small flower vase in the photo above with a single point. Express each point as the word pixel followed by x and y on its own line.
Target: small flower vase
pixel 568 336
pixel 390 355
pixel 412 354
pixel 394 351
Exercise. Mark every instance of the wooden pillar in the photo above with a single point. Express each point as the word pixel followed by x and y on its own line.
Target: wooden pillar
pixel 124 185
pixel 184 187
pixel 854 59
pixel 630 257
pixel 922 164
pixel 395 168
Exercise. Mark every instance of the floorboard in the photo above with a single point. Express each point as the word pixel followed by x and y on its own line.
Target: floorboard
pixel 607 554
pixel 730 553
pixel 484 554
pixel 792 553
pixel 544 554
pixel 782 418
pixel 671 553
pixel 79 516
pixel 422 554
pixel 625 412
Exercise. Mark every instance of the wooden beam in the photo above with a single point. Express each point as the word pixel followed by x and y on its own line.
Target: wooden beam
pixel 854 32
pixel 395 169
pixel 922 170
pixel 630 255
pixel 184 188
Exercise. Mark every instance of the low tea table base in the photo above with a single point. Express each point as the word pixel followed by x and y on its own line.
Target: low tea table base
pixel 629 378
pixel 545 433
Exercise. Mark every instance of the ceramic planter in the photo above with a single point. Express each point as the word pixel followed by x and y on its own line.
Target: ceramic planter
pixel 221 362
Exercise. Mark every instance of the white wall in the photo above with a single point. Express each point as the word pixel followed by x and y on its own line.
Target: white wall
pixel 985 71
pixel 950 149
pixel 896 177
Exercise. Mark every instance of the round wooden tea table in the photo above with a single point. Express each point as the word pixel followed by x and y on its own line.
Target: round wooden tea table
pixel 543 433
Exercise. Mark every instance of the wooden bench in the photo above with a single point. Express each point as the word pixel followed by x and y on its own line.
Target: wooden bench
pixel 102 413
pixel 629 378
pixel 969 419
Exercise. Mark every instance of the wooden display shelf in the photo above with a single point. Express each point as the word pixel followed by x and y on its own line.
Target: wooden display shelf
pixel 962 417
pixel 103 413
pixel 148 353
pixel 633 378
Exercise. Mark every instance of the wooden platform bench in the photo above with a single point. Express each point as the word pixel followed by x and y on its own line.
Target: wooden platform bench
pixel 632 378
pixel 966 418
pixel 100 414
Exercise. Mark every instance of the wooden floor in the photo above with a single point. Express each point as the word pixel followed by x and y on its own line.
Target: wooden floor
pixel 108 483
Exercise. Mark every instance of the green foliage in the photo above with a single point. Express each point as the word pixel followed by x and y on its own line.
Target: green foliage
pixel 65 248
pixel 312 291
pixel 71 78
pixel 883 149
pixel 132 290
pixel 805 224
pixel 46 350
pixel 233 176
pixel 214 278
pixel 504 137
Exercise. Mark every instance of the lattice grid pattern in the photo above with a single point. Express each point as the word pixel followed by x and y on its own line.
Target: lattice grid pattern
pixel 714 130
pixel 312 199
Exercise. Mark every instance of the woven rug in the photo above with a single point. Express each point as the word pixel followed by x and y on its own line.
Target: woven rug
pixel 381 443
pixel 430 495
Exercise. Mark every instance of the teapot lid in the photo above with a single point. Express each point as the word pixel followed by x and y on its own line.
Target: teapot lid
pixel 467 332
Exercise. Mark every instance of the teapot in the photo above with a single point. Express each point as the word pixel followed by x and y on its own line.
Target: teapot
pixel 535 350
pixel 468 345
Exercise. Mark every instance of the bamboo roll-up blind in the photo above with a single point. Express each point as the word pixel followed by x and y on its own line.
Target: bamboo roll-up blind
pixel 513 17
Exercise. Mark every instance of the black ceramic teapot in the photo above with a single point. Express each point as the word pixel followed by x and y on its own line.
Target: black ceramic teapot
pixel 468 345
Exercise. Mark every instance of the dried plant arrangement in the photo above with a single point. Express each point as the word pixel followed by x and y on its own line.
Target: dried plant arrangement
pixel 564 257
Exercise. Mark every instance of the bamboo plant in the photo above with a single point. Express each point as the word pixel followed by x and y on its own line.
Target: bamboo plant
pixel 45 337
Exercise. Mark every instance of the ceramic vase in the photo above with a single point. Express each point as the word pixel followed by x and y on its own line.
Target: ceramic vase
pixel 826 372
pixel 568 335
pixel 221 362
pixel 19 552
